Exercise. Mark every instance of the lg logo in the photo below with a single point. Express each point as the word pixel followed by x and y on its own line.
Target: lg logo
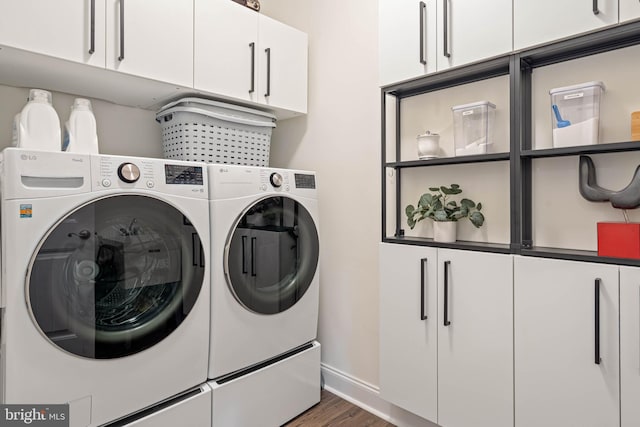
pixel 29 157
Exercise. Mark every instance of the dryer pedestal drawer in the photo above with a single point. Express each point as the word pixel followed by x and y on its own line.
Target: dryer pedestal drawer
pixel 269 396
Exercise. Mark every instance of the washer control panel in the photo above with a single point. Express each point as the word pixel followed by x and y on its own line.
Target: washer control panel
pixel 170 177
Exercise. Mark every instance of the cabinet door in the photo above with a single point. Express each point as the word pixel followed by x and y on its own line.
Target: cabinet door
pixel 629 10
pixel 61 28
pixel 407 39
pixel 472 30
pixel 475 339
pixel 282 73
pixel 408 331
pixel 226 49
pixel 557 380
pixel 541 21
pixel 630 346
pixel 151 39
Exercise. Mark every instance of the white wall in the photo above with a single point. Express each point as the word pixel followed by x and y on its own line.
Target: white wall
pixel 340 139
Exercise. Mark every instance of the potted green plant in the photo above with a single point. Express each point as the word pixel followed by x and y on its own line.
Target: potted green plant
pixel 444 212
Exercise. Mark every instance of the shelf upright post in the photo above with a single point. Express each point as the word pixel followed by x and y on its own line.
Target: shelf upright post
pixel 383 156
pixel 522 170
pixel 399 230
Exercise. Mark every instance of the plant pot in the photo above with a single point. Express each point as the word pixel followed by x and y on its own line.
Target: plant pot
pixel 444 231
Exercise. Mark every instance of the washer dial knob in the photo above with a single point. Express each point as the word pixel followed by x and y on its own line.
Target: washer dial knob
pixel 128 172
pixel 276 179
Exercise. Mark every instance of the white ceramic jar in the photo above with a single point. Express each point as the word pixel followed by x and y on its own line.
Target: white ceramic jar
pixel 428 146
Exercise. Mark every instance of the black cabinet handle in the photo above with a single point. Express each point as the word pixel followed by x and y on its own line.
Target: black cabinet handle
pixel 121 57
pixel 423 9
pixel 597 321
pixel 268 51
pixel 253 257
pixel 595 7
pixel 252 46
pixel 244 242
pixel 423 267
pixel 445 39
pixel 92 40
pixel 446 293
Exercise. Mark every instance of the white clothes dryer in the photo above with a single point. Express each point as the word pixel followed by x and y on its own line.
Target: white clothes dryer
pixel 265 251
pixel 105 281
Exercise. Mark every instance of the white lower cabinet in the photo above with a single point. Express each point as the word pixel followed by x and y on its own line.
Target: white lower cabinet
pixel 453 365
pixel 630 346
pixel 408 328
pixel 475 339
pixel 566 343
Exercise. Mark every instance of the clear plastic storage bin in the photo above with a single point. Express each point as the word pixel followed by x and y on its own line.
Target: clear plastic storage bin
pixel 575 114
pixel 473 127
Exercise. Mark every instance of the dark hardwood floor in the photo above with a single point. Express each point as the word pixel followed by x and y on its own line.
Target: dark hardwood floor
pixel 333 411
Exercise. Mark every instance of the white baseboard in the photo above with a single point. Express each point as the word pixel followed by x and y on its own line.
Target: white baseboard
pixel 367 396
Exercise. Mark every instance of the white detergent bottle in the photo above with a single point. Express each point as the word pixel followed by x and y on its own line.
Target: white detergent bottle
pixel 37 127
pixel 80 134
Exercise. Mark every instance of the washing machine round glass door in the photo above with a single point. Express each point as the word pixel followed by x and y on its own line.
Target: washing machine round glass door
pixel 115 276
pixel 271 255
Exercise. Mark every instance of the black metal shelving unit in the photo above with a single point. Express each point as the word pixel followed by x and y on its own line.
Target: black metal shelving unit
pixel 519 66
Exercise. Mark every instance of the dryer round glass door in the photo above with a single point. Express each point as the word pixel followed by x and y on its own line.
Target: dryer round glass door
pixel 271 255
pixel 115 276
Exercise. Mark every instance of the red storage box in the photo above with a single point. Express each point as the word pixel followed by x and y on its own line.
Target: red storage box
pixel 619 239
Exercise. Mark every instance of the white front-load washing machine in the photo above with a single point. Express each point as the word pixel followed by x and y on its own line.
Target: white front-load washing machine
pixel 105 281
pixel 264 294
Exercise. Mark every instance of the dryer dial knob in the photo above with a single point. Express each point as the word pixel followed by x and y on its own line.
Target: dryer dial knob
pixel 276 179
pixel 128 172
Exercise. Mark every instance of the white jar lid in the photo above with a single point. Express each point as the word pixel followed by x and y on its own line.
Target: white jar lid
pixel 473 104
pixel 576 87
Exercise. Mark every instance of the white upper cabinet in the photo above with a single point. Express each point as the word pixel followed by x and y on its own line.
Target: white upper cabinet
pixel 630 346
pixel 150 39
pixel 471 30
pixel 475 339
pixel 282 65
pixel 420 37
pixel 226 49
pixel 629 10
pixel 541 21
pixel 68 29
pixel 248 56
pixel 407 39
pixel 566 344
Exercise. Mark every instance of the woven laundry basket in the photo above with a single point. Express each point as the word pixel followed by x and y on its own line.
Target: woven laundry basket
pixel 215 132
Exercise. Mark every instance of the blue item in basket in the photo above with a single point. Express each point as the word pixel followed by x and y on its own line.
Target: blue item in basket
pixel 561 123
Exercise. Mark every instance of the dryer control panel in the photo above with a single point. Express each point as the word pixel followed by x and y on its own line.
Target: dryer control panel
pixel 229 181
